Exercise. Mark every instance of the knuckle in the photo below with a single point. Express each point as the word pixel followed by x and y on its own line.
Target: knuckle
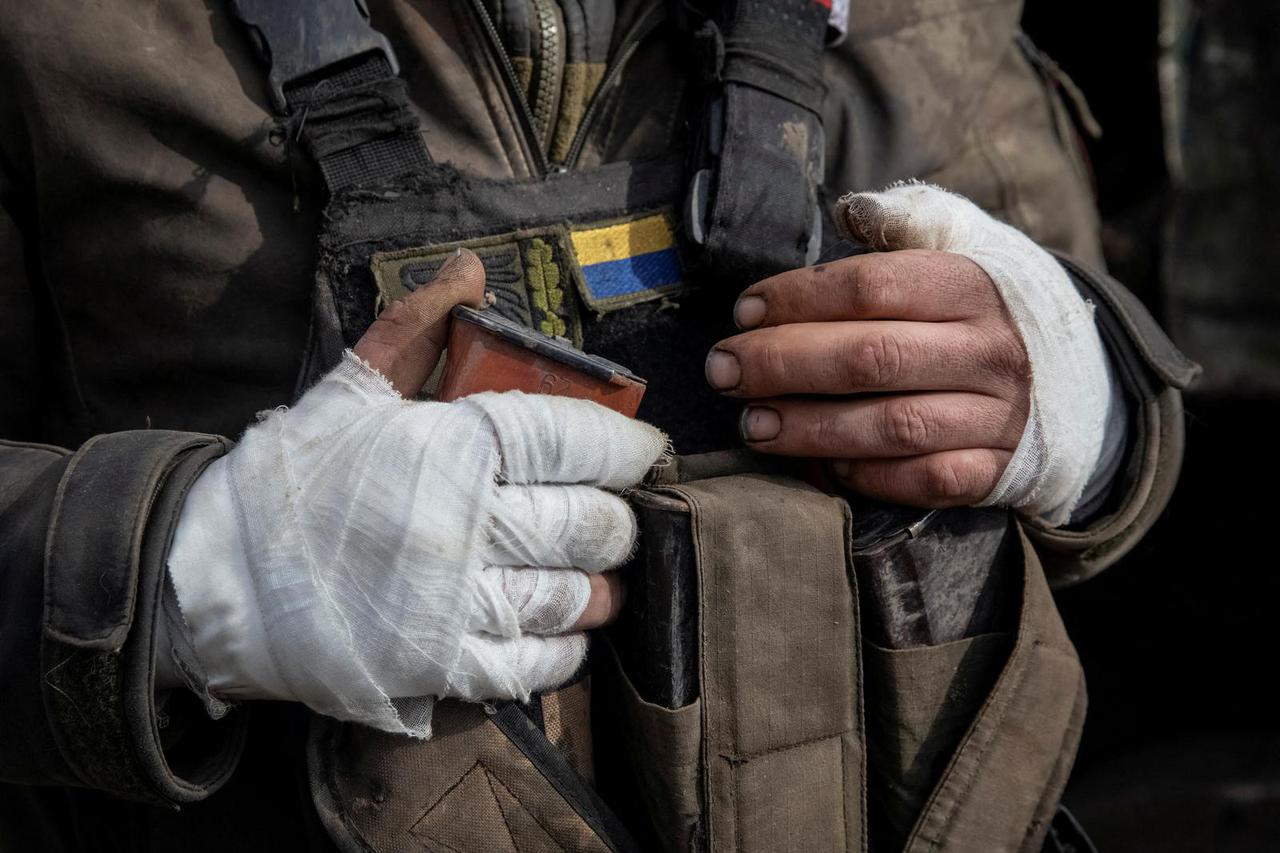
pixel 871 281
pixel 398 313
pixel 1006 355
pixel 829 433
pixel 876 362
pixel 773 360
pixel 909 426
pixel 948 480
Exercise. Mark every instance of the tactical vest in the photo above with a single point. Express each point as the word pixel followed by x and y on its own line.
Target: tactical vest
pixel 753 697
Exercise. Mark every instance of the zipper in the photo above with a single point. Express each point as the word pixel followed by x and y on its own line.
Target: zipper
pixel 523 113
pixel 548 70
pixel 646 24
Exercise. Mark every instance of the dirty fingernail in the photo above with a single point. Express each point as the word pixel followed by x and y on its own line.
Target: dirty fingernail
pixel 448 262
pixel 749 312
pixel 723 371
pixel 842 467
pixel 760 423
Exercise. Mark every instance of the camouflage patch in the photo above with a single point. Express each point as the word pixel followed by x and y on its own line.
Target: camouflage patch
pixel 531 275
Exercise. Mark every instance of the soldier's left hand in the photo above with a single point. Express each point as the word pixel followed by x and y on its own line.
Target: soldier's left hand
pixel 957 364
pixel 904 368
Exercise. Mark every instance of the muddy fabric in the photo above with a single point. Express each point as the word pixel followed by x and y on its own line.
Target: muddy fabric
pixel 662 748
pixel 783 756
pixel 470 788
pixel 814 738
pixel 920 703
pixel 141 159
pixel 1019 749
pixel 157 244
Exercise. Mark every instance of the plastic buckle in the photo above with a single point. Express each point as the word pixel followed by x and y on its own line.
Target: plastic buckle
pixel 301 38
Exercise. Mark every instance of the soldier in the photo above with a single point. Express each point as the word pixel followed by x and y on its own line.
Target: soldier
pixel 359 552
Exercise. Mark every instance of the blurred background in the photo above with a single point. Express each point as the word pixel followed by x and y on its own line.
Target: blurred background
pixel 1181 750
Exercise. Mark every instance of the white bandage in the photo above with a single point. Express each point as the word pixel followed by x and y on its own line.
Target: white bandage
pixel 362 553
pixel 1074 435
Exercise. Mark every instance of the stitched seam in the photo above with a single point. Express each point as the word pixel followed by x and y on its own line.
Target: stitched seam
pixel 55 520
pixel 708 728
pixel 477 44
pixel 493 777
pixel 30 445
pixel 966 790
pixel 447 791
pixel 1062 769
pixel 748 756
pixel 859 708
pixel 488 779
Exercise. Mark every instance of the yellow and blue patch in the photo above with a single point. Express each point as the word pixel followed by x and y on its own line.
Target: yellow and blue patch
pixel 627 262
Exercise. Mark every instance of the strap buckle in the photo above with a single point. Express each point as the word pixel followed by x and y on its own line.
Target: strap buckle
pixel 298 40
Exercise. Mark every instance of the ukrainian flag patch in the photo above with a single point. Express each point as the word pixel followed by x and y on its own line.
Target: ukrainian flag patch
pixel 625 263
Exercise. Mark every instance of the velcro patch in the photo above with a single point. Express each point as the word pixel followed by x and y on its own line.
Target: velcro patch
pixel 531 275
pixel 627 262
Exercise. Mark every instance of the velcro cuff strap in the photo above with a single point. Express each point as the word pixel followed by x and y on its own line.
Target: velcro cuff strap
pixel 104 567
pixel 95 535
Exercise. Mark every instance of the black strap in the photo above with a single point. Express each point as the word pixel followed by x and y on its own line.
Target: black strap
pixel 547 760
pixel 335 78
pixel 356 123
pixel 752 206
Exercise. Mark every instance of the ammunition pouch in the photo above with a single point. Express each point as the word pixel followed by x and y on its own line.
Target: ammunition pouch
pixel 796 732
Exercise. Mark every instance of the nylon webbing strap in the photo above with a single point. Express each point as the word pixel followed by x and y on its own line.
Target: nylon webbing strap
pixel 357 125
pixel 752 207
pixel 335 79
pixel 776 46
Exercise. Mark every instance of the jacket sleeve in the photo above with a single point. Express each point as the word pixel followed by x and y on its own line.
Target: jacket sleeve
pixel 1153 373
pixel 83 540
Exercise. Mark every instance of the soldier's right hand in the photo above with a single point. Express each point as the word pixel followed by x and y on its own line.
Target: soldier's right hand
pixel 363 553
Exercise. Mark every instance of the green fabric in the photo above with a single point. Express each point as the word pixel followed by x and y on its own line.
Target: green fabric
pixel 783 751
pixel 920 702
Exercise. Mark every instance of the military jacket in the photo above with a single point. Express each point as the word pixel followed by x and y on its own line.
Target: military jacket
pixel 157 244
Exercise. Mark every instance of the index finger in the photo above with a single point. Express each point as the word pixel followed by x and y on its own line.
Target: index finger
pixel 548 439
pixel 915 284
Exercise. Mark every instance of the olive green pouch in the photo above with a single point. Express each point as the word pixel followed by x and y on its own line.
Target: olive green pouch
pixel 767 750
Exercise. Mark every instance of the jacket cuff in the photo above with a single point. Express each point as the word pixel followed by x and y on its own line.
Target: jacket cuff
pixel 113 518
pixel 1153 373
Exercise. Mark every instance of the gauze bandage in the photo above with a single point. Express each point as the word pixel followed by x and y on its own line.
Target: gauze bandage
pixel 362 553
pixel 1074 435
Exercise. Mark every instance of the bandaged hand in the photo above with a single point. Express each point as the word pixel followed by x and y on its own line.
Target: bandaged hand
pixel 954 365
pixel 363 553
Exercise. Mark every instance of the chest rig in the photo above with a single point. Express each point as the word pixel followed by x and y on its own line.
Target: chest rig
pixel 750 731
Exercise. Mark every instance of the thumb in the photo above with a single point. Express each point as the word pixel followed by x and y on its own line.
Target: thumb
pixel 406 340
pixel 911 216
